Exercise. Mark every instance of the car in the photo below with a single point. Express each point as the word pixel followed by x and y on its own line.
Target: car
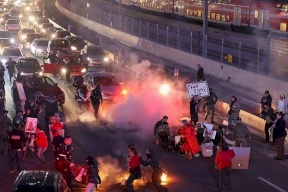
pixel 28 66
pixel 4 18
pixel 7 34
pixel 75 61
pixel 38 47
pixel 30 37
pixel 50 32
pixel 39 180
pixel 15 12
pixel 43 27
pixel 33 14
pixel 58 45
pixel 110 86
pixel 22 33
pixel 61 34
pixel 77 43
pixel 94 55
pixel 11 51
pixel 40 20
pixel 5 42
pixel 12 25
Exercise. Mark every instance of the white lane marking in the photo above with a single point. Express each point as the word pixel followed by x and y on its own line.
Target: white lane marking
pixel 271 184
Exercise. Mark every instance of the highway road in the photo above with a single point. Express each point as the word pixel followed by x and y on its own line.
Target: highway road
pixel 132 122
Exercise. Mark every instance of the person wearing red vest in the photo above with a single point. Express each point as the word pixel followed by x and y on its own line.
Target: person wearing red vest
pixel 224 163
pixel 41 143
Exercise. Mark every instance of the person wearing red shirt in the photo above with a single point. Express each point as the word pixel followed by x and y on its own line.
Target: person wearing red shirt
pixel 41 143
pixel 55 126
pixel 135 171
pixel 224 163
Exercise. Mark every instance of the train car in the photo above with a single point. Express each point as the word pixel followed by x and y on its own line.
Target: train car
pixel 261 14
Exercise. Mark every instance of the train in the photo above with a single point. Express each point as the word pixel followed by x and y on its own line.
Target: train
pixel 269 15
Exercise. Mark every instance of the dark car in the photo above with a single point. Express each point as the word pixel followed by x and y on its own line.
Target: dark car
pixel 58 46
pixel 5 42
pixel 40 180
pixel 33 14
pixel 30 37
pixel 15 12
pixel 40 20
pixel 43 27
pixel 27 66
pixel 50 32
pixel 61 34
pixel 94 55
pixel 4 18
pixel 22 33
pixel 77 43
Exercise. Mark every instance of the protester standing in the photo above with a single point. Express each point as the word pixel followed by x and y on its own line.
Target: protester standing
pixel 280 134
pixel 194 108
pixel 242 133
pixel 210 102
pixel 281 104
pixel 224 163
pixel 96 99
pixel 10 66
pixel 5 124
pixel 266 99
pixel 92 174
pixel 200 73
pixel 41 143
pixel 234 111
pixel 135 171
pixel 268 114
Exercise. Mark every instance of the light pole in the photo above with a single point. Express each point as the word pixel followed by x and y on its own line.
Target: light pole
pixel 205 26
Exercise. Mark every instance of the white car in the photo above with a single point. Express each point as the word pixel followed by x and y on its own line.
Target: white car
pixel 12 25
pixel 38 47
pixel 7 52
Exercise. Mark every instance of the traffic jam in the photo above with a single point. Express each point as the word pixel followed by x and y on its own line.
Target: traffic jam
pixel 47 68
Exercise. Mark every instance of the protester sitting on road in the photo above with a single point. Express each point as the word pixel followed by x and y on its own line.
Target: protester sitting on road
pixel 242 133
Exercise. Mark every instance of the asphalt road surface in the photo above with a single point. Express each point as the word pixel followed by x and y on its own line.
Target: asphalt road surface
pixel 108 142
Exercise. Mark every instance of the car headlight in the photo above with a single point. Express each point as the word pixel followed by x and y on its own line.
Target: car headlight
pixel 53 36
pixel 22 73
pixel 83 70
pixel 31 18
pixel 106 59
pixel 73 48
pixel 63 70
pixel 27 45
pixel 20 16
pixel 38 50
pixel 27 8
pixel 88 59
pixel 3 60
pixel 12 40
pixel 1 19
pixel 23 37
pixel 43 30
pixel 41 73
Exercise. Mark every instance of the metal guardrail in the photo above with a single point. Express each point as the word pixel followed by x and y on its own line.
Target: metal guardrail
pixel 239 55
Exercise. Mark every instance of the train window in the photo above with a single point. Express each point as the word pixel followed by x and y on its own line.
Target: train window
pixel 218 17
pixel 256 13
pixel 284 8
pixel 195 13
pixel 213 16
pixel 199 14
pixel 227 18
pixel 223 18
pixel 283 26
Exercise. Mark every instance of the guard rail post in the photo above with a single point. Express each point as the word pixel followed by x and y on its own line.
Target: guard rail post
pixel 140 28
pixel 191 42
pixel 157 32
pixel 167 32
pixel 222 50
pixel 147 35
pixel 240 54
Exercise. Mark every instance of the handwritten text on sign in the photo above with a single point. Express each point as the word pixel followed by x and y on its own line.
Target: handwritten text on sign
pixel 199 88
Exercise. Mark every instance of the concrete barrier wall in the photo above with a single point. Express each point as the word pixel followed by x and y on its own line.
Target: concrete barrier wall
pixel 256 82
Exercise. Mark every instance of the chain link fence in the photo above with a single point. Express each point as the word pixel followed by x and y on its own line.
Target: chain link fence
pixel 253 58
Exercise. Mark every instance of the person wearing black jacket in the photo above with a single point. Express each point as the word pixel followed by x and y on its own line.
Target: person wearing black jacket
pixel 157 171
pixel 16 140
pixel 10 66
pixel 92 174
pixel 266 99
pixel 200 73
pixel 96 99
pixel 194 108
pixel 268 113
pixel 280 134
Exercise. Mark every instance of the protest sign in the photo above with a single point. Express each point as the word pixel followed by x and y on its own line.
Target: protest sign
pixel 200 88
pixel 31 125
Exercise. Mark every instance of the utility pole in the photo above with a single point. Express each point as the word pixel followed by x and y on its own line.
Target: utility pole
pixel 120 4
pixel 205 26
